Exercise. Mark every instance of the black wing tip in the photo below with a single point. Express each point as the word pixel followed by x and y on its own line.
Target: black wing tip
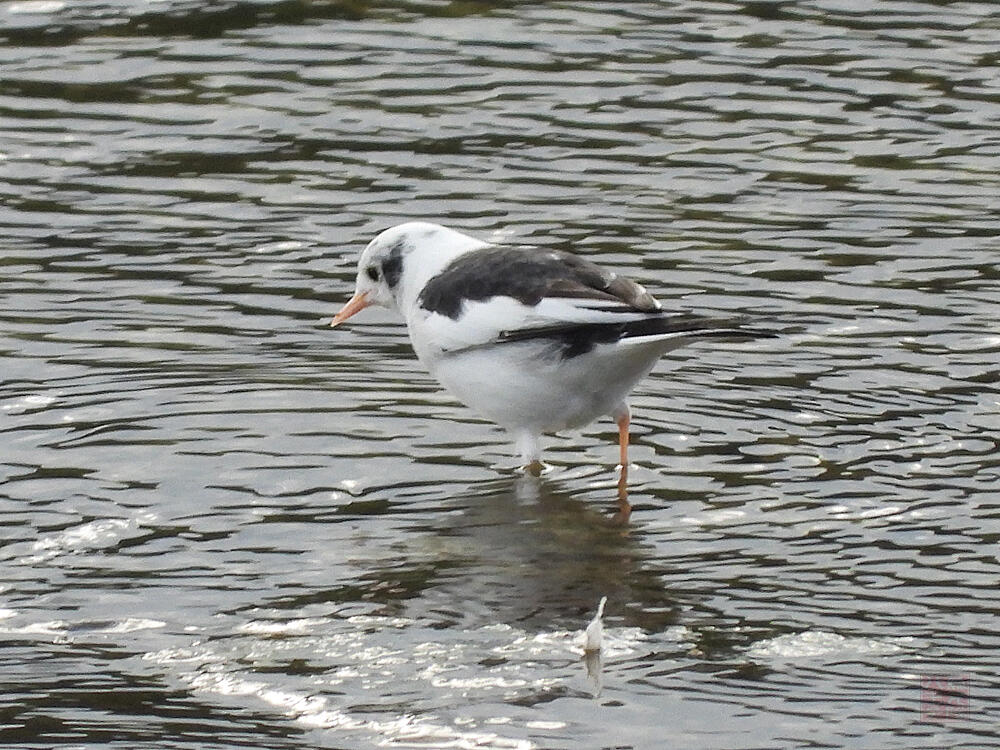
pixel 573 339
pixel 703 325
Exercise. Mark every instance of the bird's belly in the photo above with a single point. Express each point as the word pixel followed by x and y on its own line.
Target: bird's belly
pixel 521 386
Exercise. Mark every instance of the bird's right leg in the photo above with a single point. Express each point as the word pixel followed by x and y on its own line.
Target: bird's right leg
pixel 623 419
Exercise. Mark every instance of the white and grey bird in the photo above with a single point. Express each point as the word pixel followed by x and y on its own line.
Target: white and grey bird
pixel 534 340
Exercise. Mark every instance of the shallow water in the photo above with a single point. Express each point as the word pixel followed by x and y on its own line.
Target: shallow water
pixel 226 525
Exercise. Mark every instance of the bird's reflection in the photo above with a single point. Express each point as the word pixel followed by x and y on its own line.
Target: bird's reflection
pixel 539 556
pixel 595 666
pixel 527 486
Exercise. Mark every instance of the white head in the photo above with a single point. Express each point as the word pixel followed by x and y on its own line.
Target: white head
pixel 394 267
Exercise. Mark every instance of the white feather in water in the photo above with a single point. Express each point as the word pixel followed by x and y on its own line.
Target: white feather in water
pixel 594 634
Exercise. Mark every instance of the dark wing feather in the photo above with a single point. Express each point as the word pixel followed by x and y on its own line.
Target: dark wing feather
pixel 579 338
pixel 529 275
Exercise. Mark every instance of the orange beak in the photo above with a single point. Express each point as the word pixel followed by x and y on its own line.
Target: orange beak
pixel 356 304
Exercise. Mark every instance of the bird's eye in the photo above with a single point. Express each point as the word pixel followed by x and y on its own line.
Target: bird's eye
pixel 373 273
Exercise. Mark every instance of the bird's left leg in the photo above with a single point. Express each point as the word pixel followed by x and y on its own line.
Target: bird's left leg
pixel 623 418
pixel 531 452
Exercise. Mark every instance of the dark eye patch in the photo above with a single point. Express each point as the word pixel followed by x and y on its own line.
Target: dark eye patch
pixel 392 266
pixel 372 273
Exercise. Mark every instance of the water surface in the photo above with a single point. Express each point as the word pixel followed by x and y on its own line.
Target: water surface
pixel 226 525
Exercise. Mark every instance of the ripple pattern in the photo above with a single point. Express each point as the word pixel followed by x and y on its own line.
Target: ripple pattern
pixel 224 524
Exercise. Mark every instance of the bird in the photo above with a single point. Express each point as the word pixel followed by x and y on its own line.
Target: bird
pixel 535 340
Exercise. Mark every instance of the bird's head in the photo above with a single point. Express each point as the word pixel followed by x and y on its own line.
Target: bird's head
pixel 398 262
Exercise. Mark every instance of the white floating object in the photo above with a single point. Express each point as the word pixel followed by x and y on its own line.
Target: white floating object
pixel 594 633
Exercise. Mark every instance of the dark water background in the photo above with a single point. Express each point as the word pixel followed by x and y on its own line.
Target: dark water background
pixel 225 525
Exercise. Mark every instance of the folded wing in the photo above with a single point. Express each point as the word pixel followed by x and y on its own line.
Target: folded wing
pixel 504 295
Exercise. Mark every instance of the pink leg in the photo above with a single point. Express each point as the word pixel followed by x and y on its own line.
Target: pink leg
pixel 624 507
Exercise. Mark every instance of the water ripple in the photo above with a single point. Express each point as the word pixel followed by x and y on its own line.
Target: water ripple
pixel 225 524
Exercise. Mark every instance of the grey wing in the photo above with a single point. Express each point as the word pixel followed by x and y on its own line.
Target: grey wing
pixel 529 276
pixel 589 281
